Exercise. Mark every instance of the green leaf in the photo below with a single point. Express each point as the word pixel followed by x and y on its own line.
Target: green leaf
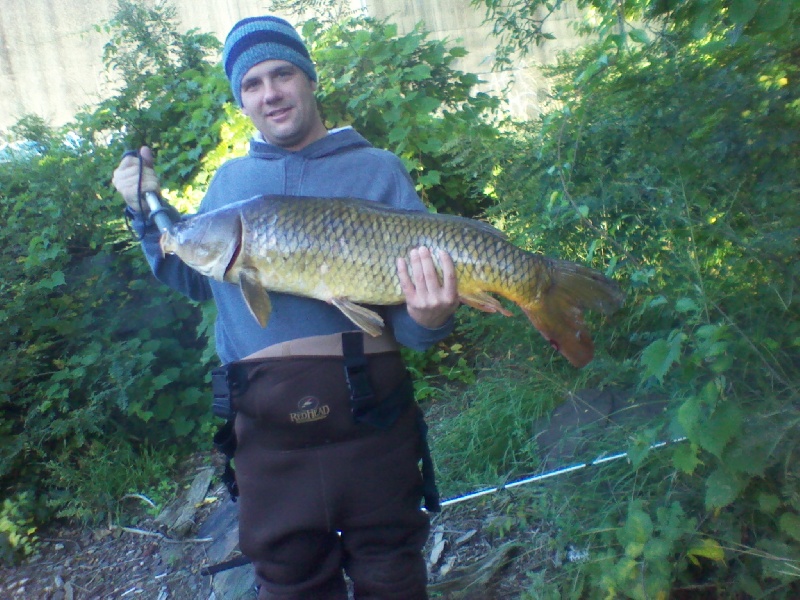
pixel 430 178
pixel 722 364
pixel 163 409
pixel 741 11
pixel 636 532
pixel 639 36
pixel 706 548
pixel 772 15
pixel 161 381
pixel 685 458
pixel 768 503
pixel 750 452
pixel 722 425
pixel 625 571
pixel 702 18
pixel 660 355
pixel 640 448
pixel 419 72
pixel 685 305
pixel 722 488
pixel 790 525
pixel 657 549
pixel 749 585
pixel 56 279
pixel 398 134
pixel 182 426
pixel 427 105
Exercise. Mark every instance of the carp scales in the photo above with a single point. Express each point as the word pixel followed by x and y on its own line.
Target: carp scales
pixel 344 252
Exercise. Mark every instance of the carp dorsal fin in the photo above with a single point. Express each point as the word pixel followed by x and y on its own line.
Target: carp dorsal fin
pixel 255 296
pixel 368 320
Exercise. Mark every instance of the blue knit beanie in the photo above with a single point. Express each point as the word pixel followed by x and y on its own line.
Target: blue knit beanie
pixel 257 39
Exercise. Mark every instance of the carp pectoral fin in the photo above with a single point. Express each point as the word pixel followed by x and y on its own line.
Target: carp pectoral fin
pixel 368 320
pixel 485 302
pixel 256 297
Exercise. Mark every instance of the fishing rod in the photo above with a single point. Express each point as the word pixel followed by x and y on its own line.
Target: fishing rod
pixel 555 473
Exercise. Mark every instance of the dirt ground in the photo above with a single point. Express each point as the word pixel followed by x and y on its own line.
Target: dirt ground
pixel 109 563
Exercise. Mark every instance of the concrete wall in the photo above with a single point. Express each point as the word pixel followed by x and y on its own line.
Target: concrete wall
pixel 51 54
pixel 456 20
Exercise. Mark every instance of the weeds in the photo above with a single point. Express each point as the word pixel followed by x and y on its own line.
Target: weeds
pixel 100 485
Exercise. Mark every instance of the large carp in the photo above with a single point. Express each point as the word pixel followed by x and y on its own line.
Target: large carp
pixel 344 252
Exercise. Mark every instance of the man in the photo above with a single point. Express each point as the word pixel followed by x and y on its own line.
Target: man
pixel 327 457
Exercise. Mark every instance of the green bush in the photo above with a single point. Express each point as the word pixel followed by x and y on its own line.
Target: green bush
pixel 403 94
pixel 98 364
pixel 675 167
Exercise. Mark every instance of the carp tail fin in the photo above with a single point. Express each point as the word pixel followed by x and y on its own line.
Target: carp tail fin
pixel 557 311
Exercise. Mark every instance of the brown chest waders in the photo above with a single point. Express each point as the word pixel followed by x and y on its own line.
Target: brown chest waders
pixel 377 393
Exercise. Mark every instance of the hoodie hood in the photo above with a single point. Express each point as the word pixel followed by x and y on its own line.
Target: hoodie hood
pixel 337 140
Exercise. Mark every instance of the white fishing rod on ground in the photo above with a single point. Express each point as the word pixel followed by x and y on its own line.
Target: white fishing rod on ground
pixel 555 473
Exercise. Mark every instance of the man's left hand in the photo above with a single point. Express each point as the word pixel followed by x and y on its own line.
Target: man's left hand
pixel 429 300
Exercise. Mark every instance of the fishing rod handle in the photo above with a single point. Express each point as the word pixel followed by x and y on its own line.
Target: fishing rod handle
pixel 158 213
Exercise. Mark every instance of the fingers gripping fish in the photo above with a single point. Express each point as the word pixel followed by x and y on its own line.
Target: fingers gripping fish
pixel 344 251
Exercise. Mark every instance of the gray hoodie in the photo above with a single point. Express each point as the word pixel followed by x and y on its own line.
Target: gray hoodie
pixel 343 164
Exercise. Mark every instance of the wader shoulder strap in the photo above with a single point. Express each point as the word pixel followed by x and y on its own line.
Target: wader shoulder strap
pixel 356 372
pixel 429 490
pixel 225 381
pixel 362 404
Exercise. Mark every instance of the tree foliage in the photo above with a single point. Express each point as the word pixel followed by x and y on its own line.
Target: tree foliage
pixel 97 363
pixel 403 94
pixel 522 24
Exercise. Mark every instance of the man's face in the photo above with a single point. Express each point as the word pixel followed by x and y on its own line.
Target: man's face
pixel 279 98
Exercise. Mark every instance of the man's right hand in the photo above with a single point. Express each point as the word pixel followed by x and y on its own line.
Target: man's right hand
pixel 126 179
